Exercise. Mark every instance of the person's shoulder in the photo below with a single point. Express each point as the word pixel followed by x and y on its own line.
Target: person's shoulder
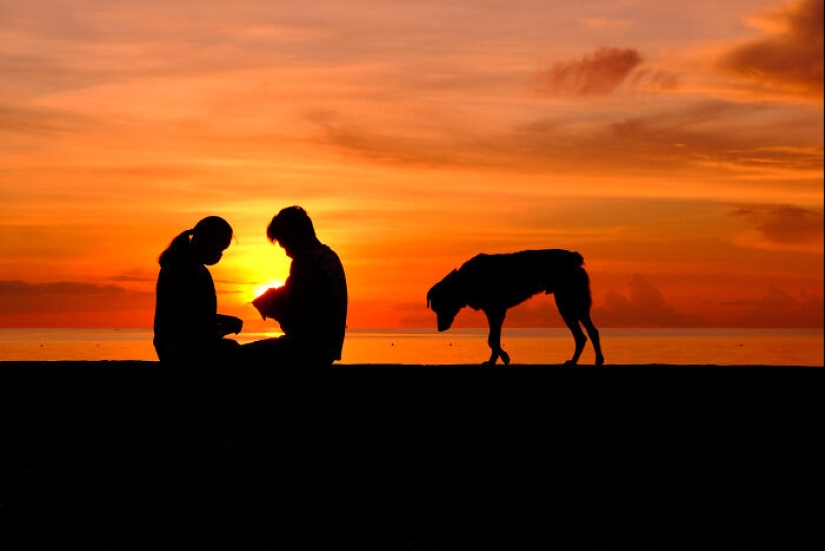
pixel 322 258
pixel 328 250
pixel 183 268
pixel 322 252
pixel 332 257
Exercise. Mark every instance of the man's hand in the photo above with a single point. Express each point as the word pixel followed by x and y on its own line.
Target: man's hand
pixel 228 324
pixel 270 304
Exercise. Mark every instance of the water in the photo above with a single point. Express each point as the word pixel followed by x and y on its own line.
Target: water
pixel 465 346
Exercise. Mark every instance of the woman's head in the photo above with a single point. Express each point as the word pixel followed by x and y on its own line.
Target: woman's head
pixel 210 237
pixel 205 242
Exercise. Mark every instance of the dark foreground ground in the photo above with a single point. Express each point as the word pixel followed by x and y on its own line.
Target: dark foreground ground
pixel 125 455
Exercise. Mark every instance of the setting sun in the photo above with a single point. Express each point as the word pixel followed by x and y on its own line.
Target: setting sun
pixel 261 289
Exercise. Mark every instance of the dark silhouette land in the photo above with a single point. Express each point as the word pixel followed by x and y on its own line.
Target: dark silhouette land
pixel 311 307
pixel 495 283
pixel 127 455
pixel 187 325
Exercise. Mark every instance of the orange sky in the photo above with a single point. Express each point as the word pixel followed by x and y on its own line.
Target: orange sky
pixel 677 146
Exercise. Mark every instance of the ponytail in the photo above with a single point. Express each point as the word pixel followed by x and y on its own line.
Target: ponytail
pixel 212 229
pixel 176 247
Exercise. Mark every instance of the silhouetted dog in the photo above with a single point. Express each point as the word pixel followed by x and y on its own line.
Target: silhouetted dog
pixel 494 283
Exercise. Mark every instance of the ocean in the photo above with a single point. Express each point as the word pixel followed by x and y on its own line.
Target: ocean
pixel 803 347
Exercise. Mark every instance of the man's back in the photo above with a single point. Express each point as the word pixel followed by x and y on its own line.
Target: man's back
pixel 316 315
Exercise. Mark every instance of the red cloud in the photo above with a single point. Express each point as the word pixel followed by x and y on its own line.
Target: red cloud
pixel 779 308
pixel 596 74
pixel 785 224
pixel 19 297
pixel 790 60
pixel 646 307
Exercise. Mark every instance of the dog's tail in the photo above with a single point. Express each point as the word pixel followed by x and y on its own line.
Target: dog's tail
pixel 578 259
pixel 577 284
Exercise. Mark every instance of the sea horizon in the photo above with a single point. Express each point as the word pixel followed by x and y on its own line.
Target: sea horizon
pixel 425 346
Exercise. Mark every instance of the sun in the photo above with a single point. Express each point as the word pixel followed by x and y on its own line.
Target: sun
pixel 261 289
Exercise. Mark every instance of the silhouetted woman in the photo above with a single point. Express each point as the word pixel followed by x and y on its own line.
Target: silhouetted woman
pixel 188 328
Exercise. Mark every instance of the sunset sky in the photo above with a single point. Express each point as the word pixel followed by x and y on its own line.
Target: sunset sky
pixel 678 146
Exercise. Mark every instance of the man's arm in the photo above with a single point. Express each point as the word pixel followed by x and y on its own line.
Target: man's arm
pixel 228 324
pixel 272 303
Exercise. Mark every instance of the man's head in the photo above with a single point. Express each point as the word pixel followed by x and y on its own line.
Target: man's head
pixel 292 229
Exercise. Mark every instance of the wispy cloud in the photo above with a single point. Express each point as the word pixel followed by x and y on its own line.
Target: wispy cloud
pixel 595 74
pixel 20 297
pixel 779 308
pixel 138 275
pixel 786 225
pixel 790 58
pixel 702 137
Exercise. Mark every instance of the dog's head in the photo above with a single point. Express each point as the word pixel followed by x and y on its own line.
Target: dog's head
pixel 444 300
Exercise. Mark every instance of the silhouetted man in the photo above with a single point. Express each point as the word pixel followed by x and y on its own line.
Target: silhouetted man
pixel 311 307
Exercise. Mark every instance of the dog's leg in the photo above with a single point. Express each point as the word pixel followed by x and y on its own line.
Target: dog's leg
pixel 594 336
pixel 578 335
pixel 495 319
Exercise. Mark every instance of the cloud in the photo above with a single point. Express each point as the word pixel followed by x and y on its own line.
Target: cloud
pixel 779 308
pixel 654 80
pixel 396 147
pixel 19 297
pixel 39 121
pixel 705 136
pixel 788 59
pixel 596 74
pixel 785 224
pixel 135 275
pixel 645 307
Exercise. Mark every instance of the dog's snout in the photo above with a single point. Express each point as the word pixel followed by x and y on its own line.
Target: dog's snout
pixel 444 323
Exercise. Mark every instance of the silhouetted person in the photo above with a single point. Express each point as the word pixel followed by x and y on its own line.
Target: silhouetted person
pixel 188 328
pixel 311 307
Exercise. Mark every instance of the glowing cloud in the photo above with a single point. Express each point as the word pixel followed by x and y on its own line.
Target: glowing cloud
pixel 646 307
pixel 596 74
pixel 789 59
pixel 786 223
pixel 66 303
